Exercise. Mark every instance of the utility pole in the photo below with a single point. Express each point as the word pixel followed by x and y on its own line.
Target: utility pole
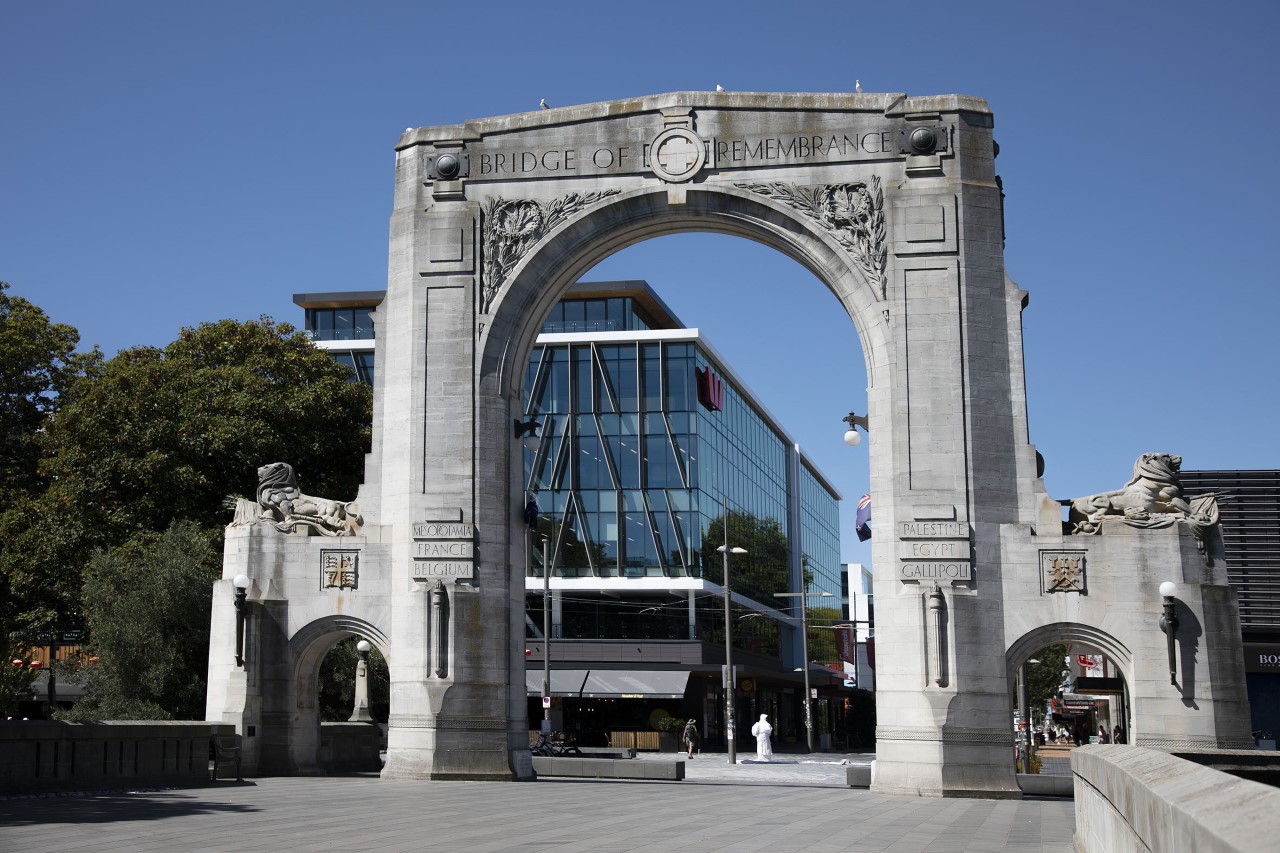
pixel 546 639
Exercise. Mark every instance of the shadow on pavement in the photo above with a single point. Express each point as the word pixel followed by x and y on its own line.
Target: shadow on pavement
pixel 114 807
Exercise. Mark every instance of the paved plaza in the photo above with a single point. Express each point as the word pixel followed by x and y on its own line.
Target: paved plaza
pixel 793 804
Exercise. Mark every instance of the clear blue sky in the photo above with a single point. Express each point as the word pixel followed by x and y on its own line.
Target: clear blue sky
pixel 164 164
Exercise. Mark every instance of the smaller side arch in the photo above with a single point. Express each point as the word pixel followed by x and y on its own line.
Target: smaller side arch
pixel 1067 632
pixel 306 641
pixel 307 648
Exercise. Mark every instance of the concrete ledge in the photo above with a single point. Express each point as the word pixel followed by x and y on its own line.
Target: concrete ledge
pixel 858 776
pixel 608 768
pixel 1040 785
pixel 1129 798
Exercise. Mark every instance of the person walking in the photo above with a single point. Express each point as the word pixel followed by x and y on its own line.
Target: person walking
pixel 690 736
pixel 1117 736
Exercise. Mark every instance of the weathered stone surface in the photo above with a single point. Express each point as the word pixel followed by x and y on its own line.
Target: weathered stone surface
pixel 910 242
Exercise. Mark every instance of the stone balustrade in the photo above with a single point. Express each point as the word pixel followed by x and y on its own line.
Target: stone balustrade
pixel 1130 798
pixel 41 755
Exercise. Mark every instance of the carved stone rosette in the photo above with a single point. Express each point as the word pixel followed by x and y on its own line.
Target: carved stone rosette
pixel 511 227
pixel 852 213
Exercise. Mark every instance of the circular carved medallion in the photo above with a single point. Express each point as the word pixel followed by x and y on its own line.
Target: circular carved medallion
pixel 677 154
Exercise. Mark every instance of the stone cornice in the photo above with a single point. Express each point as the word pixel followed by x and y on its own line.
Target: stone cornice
pixel 885 103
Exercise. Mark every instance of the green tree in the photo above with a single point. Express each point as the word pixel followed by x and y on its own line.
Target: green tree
pixel 147 608
pixel 1044 678
pixel 337 684
pixel 158 435
pixel 16 670
pixel 38 362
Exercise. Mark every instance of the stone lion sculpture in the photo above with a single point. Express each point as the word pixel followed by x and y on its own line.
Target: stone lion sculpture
pixel 1154 488
pixel 1152 499
pixel 282 504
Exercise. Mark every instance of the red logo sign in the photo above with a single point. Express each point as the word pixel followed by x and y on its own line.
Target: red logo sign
pixel 1087 661
pixel 710 390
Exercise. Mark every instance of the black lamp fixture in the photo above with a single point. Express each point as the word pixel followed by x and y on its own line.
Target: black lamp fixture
pixel 1169 624
pixel 241 583
pixel 851 437
pixel 528 430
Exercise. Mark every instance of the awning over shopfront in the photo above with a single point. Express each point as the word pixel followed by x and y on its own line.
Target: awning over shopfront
pixel 635 684
pixel 564 682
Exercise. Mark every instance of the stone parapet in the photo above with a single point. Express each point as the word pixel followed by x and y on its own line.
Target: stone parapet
pixel 1129 798
pixel 42 756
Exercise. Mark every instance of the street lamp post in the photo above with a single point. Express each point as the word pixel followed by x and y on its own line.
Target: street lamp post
pixel 729 685
pixel 804 652
pixel 546 639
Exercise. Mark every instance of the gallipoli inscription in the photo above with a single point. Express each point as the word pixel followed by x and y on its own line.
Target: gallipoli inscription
pixel 495 161
pixel 443 549
pixel 932 571
pixel 934 550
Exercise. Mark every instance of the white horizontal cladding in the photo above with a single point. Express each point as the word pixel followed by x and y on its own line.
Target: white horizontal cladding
pixel 619 587
pixel 354 345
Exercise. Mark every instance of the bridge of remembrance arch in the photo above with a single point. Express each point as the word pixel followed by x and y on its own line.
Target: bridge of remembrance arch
pixel 894 204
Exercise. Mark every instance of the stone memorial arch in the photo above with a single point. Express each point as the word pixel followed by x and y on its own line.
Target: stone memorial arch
pixel 894 204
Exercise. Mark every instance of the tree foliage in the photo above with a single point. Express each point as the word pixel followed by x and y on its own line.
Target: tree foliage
pixel 18 668
pixel 158 435
pixel 1044 678
pixel 38 362
pixel 147 607
pixel 337 683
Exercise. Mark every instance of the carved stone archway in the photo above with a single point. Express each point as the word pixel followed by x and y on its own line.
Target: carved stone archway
pixel 894 204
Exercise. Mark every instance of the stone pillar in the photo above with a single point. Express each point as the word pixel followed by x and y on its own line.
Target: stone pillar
pixel 360 708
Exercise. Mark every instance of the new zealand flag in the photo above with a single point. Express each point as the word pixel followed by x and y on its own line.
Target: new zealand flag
pixel 862 524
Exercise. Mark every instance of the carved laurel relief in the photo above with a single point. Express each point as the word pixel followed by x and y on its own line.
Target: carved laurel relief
pixel 852 213
pixel 511 227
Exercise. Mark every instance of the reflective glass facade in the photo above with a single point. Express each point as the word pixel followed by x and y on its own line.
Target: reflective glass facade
pixel 339 324
pixel 633 477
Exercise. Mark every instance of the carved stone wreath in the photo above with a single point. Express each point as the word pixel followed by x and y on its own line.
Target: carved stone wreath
pixel 852 213
pixel 511 227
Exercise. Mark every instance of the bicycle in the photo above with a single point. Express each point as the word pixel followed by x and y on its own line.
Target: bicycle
pixel 547 746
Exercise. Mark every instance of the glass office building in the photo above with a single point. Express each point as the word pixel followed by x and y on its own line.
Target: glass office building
pixel 649 443
pixel 649 447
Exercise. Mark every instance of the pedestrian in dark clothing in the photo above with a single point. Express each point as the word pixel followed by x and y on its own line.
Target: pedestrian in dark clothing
pixel 690 736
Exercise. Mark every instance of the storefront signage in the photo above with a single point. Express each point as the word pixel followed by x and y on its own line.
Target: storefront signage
pixel 1262 657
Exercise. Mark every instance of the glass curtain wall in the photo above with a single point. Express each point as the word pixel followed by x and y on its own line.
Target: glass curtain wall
pixel 340 324
pixel 633 476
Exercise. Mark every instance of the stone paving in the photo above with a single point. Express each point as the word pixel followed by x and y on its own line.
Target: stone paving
pixel 791 804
